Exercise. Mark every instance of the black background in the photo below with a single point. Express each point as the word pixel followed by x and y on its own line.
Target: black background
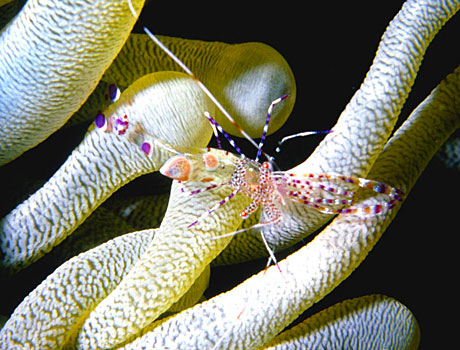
pixel 330 48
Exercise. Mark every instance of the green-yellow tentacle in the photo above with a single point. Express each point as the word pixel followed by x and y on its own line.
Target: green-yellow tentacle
pixel 50 61
pixel 167 105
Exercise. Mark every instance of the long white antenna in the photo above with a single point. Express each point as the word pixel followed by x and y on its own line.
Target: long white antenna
pixel 131 8
pixel 203 87
pixel 300 134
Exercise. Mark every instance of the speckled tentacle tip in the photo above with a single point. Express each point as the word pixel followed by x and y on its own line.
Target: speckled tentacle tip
pixel 40 92
pixel 106 159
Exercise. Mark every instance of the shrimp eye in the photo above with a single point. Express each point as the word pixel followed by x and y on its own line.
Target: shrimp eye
pixel 244 214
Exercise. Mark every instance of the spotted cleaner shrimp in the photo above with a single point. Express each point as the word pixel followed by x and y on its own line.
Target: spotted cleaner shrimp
pixel 328 193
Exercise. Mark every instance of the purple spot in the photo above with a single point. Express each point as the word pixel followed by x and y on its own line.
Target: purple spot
pixel 121 125
pixel 100 120
pixel 380 188
pixel 114 92
pixel 146 147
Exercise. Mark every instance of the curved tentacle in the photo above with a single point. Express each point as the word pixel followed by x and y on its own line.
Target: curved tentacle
pixel 50 62
pixel 366 123
pixel 104 162
pixel 271 300
pixel 167 269
pixel 353 324
pixel 245 78
pixel 51 313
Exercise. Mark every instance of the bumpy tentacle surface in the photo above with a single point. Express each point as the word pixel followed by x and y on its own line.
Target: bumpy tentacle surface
pixel 338 326
pixel 140 211
pixel 245 78
pixel 51 57
pixel 47 318
pixel 243 319
pixel 52 313
pixel 104 162
pixel 366 123
pixel 176 258
pixel 362 235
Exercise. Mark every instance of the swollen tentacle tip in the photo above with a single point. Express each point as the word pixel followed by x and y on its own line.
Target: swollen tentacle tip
pixel 177 168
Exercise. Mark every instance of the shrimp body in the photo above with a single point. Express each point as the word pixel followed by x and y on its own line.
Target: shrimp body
pixel 255 181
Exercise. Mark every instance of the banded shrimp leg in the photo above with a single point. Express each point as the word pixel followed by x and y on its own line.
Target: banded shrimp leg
pixel 333 193
pixel 248 177
pixel 244 177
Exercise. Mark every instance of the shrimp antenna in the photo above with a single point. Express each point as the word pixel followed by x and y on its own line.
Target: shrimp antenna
pixel 131 8
pixel 300 134
pixel 205 90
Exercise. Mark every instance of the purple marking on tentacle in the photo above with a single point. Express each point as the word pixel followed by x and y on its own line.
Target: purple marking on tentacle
pixel 121 125
pixel 100 120
pixel 146 147
pixel 114 92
